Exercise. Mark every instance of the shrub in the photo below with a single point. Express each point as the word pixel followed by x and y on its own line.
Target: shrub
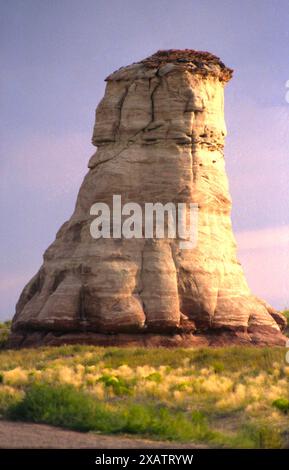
pixel 15 376
pixel 8 397
pixel 265 437
pixel 256 436
pixel 6 325
pixel 65 406
pixel 4 334
pixel 118 384
pixel 61 405
pixel 94 388
pixel 218 367
pixel 282 404
pixel 286 314
pixel 155 377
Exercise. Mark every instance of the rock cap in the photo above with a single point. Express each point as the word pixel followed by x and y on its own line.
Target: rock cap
pixel 165 61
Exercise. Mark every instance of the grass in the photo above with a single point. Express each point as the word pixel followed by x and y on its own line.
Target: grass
pixel 282 404
pixel 286 314
pixel 4 332
pixel 63 405
pixel 225 397
pixel 229 358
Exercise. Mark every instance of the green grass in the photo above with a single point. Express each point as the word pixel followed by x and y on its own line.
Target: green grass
pixel 286 314
pixel 4 333
pixel 236 397
pixel 282 404
pixel 227 358
pixel 65 406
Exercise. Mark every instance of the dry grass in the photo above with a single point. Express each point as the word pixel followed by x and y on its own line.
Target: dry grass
pixel 221 396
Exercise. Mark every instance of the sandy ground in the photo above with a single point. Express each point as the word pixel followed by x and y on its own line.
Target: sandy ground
pixel 40 436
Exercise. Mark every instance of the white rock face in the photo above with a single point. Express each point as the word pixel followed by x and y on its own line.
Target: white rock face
pixel 159 133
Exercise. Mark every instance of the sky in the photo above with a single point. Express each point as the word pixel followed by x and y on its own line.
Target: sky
pixel 55 55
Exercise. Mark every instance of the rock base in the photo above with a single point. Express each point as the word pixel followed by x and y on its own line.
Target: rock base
pixel 261 336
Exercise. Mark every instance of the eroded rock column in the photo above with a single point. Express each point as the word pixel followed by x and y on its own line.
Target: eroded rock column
pixel 159 133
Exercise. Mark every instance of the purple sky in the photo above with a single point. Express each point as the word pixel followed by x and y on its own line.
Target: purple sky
pixel 54 58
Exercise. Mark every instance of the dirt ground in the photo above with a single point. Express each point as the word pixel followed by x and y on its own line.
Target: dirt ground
pixel 40 436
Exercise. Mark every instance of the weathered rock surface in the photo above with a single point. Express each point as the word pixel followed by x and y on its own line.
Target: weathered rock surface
pixel 159 133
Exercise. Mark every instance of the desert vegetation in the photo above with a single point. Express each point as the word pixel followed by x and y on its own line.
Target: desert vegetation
pixel 4 332
pixel 225 397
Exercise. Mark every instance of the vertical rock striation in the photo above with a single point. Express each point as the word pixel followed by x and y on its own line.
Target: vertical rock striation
pixel 159 133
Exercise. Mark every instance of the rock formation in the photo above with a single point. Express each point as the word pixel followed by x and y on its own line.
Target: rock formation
pixel 159 133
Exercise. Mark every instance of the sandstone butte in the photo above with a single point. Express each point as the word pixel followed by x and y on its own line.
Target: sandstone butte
pixel 159 133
